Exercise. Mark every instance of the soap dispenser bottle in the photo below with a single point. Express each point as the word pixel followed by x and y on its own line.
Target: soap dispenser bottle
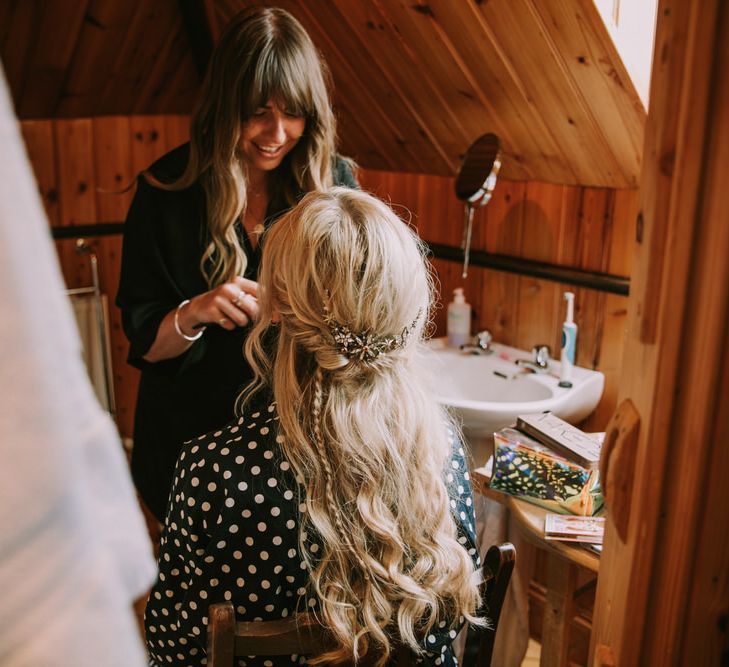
pixel 459 319
pixel 569 337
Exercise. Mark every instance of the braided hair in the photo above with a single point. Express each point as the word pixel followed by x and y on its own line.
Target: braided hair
pixel 347 282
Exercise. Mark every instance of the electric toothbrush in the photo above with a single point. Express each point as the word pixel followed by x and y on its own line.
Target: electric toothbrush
pixel 569 337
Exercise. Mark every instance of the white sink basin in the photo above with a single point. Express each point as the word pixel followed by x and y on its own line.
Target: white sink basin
pixel 488 391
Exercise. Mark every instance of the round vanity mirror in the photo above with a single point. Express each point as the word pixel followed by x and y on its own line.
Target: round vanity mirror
pixel 477 176
pixel 475 182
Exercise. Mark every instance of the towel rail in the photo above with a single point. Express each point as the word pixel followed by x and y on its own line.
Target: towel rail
pixel 101 324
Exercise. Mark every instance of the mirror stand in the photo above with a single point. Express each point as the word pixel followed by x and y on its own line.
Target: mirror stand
pixel 475 184
pixel 467 232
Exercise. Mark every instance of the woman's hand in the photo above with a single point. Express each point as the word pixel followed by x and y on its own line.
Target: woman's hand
pixel 230 305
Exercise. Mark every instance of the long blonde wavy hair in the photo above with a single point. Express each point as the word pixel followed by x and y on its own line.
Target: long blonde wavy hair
pixel 263 54
pixel 366 437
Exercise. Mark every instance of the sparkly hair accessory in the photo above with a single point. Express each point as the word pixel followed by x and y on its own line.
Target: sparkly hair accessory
pixel 364 345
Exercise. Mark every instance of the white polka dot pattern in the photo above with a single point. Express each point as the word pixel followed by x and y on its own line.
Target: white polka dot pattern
pixel 232 533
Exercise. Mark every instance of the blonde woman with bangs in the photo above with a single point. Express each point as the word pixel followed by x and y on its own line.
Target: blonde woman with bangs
pixel 262 135
pixel 342 487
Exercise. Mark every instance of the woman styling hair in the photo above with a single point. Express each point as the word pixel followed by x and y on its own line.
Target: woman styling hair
pixel 262 135
pixel 342 487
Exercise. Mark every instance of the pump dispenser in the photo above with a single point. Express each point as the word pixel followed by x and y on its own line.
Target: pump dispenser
pixel 569 337
pixel 459 319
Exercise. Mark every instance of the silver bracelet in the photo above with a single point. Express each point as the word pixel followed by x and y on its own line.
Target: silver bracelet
pixel 177 324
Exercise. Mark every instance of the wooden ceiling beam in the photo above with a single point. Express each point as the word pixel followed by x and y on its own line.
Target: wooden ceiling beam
pixel 414 83
pixel 102 34
pixel 402 76
pixel 379 110
pixel 375 143
pixel 535 144
pixel 49 57
pixel 196 19
pixel 618 128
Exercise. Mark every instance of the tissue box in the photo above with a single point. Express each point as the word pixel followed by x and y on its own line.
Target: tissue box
pixel 526 468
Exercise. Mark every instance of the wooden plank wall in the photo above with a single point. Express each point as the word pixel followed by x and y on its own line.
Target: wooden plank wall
pixel 82 164
pixel 580 227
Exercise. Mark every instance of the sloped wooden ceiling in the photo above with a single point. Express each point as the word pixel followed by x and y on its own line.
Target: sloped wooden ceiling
pixel 415 81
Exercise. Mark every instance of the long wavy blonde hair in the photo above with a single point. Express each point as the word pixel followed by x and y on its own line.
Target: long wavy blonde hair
pixel 366 437
pixel 263 54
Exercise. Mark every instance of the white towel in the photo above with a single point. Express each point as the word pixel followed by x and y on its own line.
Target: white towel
pixel 74 552
pixel 95 343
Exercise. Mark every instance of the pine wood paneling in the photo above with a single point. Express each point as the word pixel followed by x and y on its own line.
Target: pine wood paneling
pixel 77 273
pixel 499 228
pixel 691 547
pixel 436 120
pixel 703 630
pixel 126 377
pixel 75 170
pixel 579 227
pixel 559 224
pixel 169 47
pixel 112 166
pixel 18 27
pixel 529 138
pixel 49 54
pixel 149 140
pixel 572 26
pixel 539 310
pixel 609 355
pixel 666 599
pixel 702 623
pixel 133 72
pixel 369 114
pixel 39 143
pixel 81 165
pixel 177 129
pixel 414 83
pixel 464 97
pixel 384 97
pixel 76 186
pixel 101 36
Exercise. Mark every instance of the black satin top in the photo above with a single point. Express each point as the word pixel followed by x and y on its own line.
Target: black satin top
pixel 164 238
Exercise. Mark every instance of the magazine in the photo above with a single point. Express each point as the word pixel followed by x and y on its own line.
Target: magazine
pixel 574 528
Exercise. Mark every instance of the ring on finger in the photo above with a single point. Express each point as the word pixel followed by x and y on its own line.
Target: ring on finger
pixel 238 299
pixel 222 321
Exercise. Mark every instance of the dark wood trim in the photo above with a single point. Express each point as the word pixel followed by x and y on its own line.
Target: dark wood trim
pixel 76 231
pixel 196 22
pixel 602 282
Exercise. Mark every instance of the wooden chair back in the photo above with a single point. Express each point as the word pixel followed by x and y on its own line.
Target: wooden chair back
pixel 498 566
pixel 304 634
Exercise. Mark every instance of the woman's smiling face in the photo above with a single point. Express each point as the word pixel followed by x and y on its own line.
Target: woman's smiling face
pixel 269 135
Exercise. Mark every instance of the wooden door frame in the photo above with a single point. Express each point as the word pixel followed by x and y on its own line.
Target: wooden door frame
pixel 663 593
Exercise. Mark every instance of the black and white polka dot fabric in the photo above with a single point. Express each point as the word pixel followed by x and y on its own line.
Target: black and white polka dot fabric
pixel 231 533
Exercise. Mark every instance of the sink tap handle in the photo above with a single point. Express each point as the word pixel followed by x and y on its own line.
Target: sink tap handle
pixel 484 339
pixel 541 355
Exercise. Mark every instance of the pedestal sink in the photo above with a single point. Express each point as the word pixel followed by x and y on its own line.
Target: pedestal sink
pixel 489 390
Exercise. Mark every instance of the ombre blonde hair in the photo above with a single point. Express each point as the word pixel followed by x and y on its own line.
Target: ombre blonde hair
pixel 366 439
pixel 263 54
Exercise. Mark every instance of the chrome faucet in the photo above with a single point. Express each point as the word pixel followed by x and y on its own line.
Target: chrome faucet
pixel 540 362
pixel 482 345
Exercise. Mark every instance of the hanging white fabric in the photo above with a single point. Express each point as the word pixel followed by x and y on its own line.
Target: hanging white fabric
pixel 74 552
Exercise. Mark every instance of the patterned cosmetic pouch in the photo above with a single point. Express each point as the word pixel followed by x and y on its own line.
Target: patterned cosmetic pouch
pixel 526 468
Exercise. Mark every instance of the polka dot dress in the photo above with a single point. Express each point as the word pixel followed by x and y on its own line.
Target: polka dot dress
pixel 231 534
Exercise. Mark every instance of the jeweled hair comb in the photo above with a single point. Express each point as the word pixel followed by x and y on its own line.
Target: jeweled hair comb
pixel 364 345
